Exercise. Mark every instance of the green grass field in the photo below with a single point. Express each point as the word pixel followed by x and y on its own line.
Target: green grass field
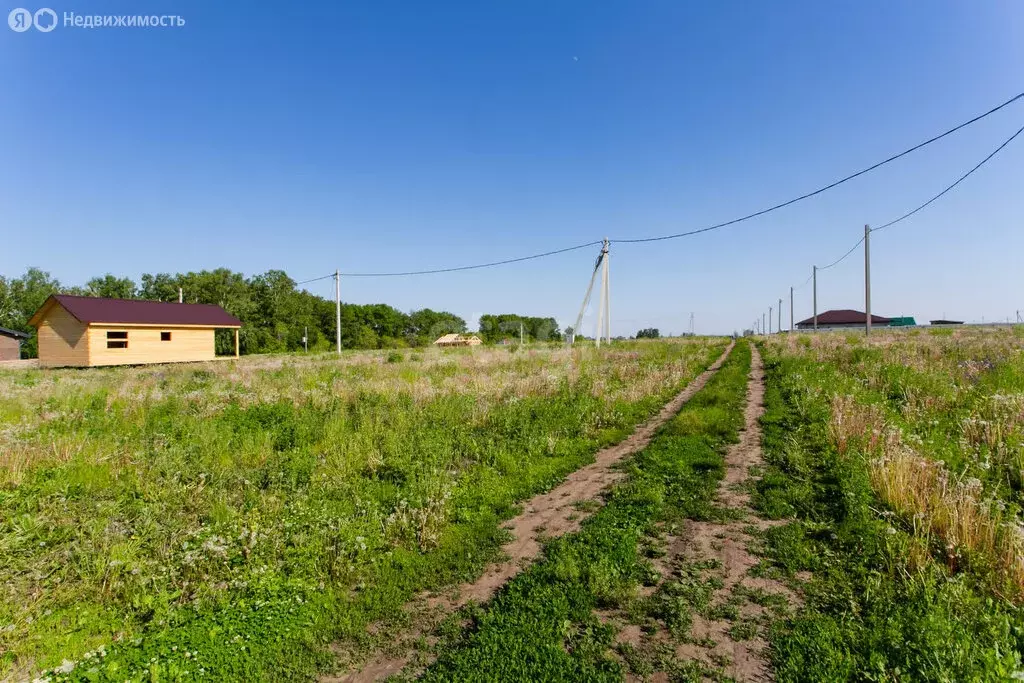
pixel 900 460
pixel 228 520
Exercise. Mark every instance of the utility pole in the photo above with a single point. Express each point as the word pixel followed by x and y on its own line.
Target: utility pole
pixel 867 280
pixel 181 295
pixel 778 330
pixel 337 306
pixel 762 324
pixel 791 309
pixel 607 293
pixel 520 333
pixel 305 338
pixel 814 275
pixel 769 320
pixel 604 313
pixel 691 325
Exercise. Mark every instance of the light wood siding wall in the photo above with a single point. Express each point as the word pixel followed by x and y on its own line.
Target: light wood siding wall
pixel 10 348
pixel 62 339
pixel 144 345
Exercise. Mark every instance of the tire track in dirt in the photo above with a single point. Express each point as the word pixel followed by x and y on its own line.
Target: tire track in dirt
pixel 725 636
pixel 547 515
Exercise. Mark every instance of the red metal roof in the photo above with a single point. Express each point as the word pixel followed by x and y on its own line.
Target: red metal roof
pixel 845 316
pixel 90 309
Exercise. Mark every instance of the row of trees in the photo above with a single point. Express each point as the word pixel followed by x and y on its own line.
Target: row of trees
pixel 494 328
pixel 274 312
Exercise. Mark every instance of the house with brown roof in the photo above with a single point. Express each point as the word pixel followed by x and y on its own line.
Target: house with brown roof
pixel 86 331
pixel 10 343
pixel 842 319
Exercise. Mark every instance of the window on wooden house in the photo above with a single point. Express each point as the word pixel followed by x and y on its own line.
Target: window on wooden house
pixel 165 336
pixel 117 340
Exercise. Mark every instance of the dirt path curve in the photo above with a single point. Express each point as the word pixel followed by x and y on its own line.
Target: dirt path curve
pixel 726 634
pixel 547 515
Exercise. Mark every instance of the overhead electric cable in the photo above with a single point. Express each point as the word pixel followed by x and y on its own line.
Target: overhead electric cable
pixel 474 267
pixel 315 279
pixel 958 181
pixel 826 187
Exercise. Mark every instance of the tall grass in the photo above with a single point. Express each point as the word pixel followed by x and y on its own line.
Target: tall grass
pixel 229 519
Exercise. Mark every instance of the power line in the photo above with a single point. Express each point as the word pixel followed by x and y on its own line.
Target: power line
pixel 843 257
pixel 476 266
pixel 830 185
pixel 315 279
pixel 959 180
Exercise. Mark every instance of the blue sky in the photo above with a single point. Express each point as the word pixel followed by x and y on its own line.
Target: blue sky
pixel 403 135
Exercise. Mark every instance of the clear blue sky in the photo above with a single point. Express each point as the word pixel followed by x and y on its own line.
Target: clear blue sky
pixel 381 135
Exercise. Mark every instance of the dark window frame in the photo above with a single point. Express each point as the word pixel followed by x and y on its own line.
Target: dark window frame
pixel 117 339
pixel 165 336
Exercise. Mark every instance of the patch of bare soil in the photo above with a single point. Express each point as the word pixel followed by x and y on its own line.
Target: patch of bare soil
pixel 547 515
pixel 717 630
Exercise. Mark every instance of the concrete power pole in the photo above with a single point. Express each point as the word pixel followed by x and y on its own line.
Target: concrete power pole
pixel 604 309
pixel 814 275
pixel 337 307
pixel 769 320
pixel 790 309
pixel 181 295
pixel 762 324
pixel 778 330
pixel 867 280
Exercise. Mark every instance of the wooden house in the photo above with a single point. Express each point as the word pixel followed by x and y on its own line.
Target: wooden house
pixel 458 340
pixel 10 343
pixel 88 331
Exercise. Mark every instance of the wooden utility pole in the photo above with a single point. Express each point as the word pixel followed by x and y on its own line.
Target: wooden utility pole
pixel 337 307
pixel 867 280
pixel 790 309
pixel 814 275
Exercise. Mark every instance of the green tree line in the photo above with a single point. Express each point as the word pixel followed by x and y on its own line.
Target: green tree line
pixel 274 312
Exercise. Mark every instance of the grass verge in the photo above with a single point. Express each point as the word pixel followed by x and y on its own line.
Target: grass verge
pixel 878 607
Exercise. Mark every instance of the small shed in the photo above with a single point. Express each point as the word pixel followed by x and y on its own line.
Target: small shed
pixel 10 343
pixel 458 340
pixel 84 331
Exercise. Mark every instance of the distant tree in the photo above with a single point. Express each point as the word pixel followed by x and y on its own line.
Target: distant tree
pixel 20 297
pixel 159 287
pixel 648 333
pixel 426 325
pixel 507 325
pixel 111 287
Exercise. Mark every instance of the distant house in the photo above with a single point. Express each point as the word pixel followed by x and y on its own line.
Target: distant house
pixel 458 340
pixel 945 322
pixel 903 321
pixel 842 319
pixel 85 331
pixel 10 343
